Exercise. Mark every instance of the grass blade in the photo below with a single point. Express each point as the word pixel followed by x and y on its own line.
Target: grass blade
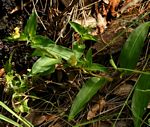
pixel 2 117
pixel 27 123
pixel 88 90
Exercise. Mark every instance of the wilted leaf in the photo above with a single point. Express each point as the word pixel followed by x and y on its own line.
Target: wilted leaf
pixel 141 98
pixel 133 46
pixel 98 107
pixel 113 4
pixel 30 28
pixel 44 64
pixel 123 90
pixel 2 71
pixel 88 90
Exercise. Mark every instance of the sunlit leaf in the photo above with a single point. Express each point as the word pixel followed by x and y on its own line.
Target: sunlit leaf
pixel 89 37
pixel 141 98
pixel 78 28
pixel 44 64
pixel 88 90
pixel 56 51
pixel 78 49
pixel 41 40
pixel 133 46
pixel 30 28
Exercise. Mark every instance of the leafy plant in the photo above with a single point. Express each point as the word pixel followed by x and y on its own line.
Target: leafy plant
pixel 17 86
pixel 52 54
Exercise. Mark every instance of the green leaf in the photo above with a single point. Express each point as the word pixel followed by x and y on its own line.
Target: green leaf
pixel 87 36
pixel 133 46
pixel 141 98
pixel 78 28
pixel 96 67
pixel 78 49
pixel 88 90
pixel 44 64
pixel 2 117
pixel 56 51
pixel 89 57
pixel 41 40
pixel 27 123
pixel 30 28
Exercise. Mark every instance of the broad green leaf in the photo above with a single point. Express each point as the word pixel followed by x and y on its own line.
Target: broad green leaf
pixel 133 46
pixel 41 40
pixel 78 28
pixel 88 90
pixel 96 67
pixel 56 51
pixel 87 36
pixel 30 28
pixel 78 49
pixel 38 52
pixel 141 98
pixel 2 117
pixel 44 64
pixel 89 57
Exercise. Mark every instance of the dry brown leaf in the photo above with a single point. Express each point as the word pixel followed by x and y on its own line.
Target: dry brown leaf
pixel 36 118
pixel 123 90
pixel 44 118
pixel 97 107
pixel 128 4
pixel 148 105
pixel 113 5
pixel 2 72
pixel 101 124
pixel 56 125
pixel 39 120
pixel 88 22
pixel 121 124
pixel 101 22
